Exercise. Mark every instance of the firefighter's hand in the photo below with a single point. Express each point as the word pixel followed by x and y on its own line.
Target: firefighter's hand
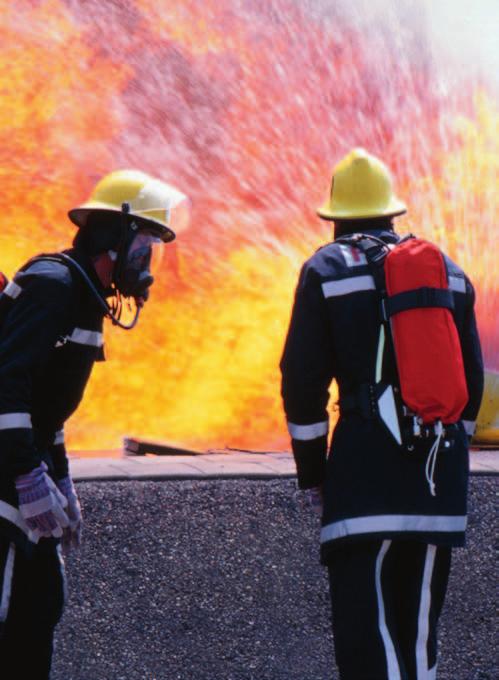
pixel 71 537
pixel 41 504
pixel 315 499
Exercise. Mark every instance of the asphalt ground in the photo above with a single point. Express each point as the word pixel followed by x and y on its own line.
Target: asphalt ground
pixel 220 580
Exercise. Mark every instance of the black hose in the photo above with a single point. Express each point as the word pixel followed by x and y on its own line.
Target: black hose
pixel 112 314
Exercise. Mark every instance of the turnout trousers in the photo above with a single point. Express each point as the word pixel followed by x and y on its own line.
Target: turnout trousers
pixel 387 596
pixel 32 593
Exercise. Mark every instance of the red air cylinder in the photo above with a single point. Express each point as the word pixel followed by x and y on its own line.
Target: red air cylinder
pixel 427 346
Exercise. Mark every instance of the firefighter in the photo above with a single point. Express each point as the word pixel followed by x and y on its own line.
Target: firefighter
pixel 391 514
pixel 51 323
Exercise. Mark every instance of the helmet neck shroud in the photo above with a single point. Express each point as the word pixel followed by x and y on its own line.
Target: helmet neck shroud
pixel 110 232
pixel 99 234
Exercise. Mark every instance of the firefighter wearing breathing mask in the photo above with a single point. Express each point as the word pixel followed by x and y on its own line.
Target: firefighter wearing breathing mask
pixel 392 320
pixel 51 323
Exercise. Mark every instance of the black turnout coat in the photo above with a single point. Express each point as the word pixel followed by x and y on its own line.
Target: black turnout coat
pixel 373 488
pixel 50 336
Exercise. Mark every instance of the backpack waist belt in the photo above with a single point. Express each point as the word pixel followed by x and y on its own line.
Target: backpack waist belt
pixel 362 400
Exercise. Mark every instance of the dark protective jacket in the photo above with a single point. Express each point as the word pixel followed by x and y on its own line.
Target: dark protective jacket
pixel 372 487
pixel 50 336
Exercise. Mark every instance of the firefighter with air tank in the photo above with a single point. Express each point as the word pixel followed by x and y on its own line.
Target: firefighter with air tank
pixel 391 319
pixel 51 323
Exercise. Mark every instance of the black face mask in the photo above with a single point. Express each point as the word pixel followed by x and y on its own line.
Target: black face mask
pixel 135 277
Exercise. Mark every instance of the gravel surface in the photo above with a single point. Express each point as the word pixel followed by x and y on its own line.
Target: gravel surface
pixel 220 580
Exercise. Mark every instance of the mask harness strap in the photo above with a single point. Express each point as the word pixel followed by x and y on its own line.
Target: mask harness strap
pixel 113 312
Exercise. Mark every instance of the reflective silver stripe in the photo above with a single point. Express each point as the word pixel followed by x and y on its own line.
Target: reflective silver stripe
pixel 392 664
pixel 84 337
pixel 432 673
pixel 59 437
pixel 11 421
pixel 380 523
pixel 62 566
pixel 12 290
pixel 424 616
pixel 380 353
pixel 353 284
pixel 353 257
pixel 307 432
pixel 12 515
pixel 7 582
pixel 469 426
pixel 457 284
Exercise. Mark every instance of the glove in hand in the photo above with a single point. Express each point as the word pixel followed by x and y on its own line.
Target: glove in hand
pixel 72 535
pixel 41 504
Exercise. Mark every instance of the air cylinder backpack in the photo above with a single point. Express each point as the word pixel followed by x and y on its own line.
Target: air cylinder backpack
pixel 417 325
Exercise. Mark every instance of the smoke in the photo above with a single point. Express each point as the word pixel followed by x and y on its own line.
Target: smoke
pixel 461 35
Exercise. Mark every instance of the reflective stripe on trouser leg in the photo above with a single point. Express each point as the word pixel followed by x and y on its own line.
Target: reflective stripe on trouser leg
pixel 423 672
pixel 7 582
pixel 62 566
pixel 392 664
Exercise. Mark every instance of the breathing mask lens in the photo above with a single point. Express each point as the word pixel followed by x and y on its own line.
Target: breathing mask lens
pixel 136 277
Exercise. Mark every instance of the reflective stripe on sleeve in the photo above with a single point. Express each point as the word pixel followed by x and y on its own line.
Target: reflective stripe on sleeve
pixel 12 514
pixel 469 427
pixel 81 336
pixel 308 432
pixel 377 523
pixel 457 284
pixel 12 290
pixel 59 437
pixel 11 421
pixel 353 284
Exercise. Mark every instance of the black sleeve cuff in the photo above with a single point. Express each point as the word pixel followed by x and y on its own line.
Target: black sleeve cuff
pixel 310 458
pixel 59 460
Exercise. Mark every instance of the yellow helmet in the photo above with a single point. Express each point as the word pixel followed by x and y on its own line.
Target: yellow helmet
pixel 150 201
pixel 361 187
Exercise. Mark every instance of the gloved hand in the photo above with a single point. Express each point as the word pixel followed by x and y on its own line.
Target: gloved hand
pixel 41 504
pixel 71 537
pixel 315 499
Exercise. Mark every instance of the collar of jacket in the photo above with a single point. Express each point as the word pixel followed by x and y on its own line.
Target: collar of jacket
pixel 384 234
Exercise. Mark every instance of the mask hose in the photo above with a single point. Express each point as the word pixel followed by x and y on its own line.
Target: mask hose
pixel 112 313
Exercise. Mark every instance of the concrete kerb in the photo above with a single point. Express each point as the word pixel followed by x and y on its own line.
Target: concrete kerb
pixel 230 465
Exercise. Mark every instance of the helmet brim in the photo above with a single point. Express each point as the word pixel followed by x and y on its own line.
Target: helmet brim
pixel 394 209
pixel 80 215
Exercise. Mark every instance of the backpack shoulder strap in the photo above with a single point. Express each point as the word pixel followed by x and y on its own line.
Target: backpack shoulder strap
pixel 375 251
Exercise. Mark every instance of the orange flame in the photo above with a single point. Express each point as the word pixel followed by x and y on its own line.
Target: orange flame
pixel 245 108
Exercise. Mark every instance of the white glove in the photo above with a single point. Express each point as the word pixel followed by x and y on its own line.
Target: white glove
pixel 41 504
pixel 71 537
